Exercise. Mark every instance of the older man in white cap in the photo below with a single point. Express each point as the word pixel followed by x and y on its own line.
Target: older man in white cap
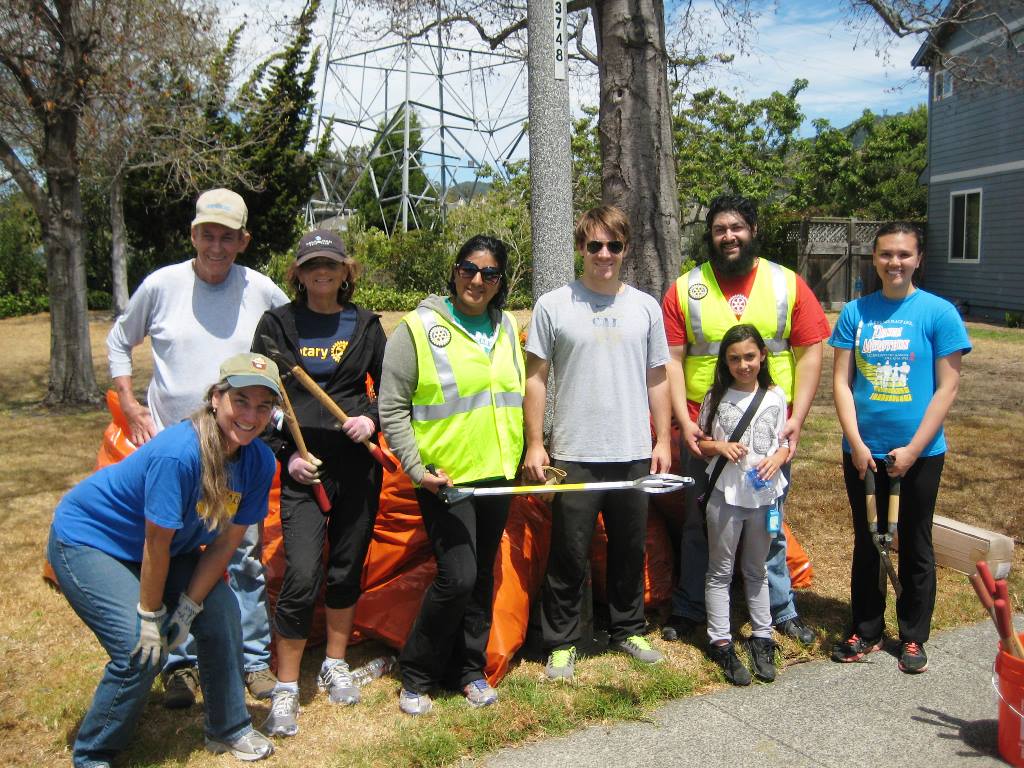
pixel 198 313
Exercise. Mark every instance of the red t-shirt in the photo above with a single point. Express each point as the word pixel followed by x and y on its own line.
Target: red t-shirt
pixel 808 325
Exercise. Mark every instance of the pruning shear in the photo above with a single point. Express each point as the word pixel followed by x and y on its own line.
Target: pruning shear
pixel 883 541
pixel 658 483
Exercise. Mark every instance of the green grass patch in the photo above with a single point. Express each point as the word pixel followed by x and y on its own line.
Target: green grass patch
pixel 1010 335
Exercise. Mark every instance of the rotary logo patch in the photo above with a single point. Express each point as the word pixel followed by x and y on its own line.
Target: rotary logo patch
pixel 697 291
pixel 439 336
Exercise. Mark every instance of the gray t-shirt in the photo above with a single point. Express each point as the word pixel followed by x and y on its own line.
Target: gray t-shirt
pixel 600 348
pixel 194 326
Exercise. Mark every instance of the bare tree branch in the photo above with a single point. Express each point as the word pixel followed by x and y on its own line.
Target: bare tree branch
pixel 22 177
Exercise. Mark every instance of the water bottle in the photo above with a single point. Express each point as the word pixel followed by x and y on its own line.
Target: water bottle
pixel 371 670
pixel 764 490
pixel 755 479
pixel 773 519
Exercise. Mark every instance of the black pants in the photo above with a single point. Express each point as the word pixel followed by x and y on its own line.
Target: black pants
pixel 352 482
pixel 573 518
pixel 918 491
pixel 447 645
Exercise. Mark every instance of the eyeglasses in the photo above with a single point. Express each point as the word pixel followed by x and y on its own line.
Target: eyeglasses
pixel 468 270
pixel 614 246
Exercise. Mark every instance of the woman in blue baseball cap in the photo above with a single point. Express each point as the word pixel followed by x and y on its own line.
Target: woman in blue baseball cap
pixel 126 543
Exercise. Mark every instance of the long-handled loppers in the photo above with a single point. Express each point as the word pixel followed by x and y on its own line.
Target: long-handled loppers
pixel 382 458
pixel 883 541
pixel 293 426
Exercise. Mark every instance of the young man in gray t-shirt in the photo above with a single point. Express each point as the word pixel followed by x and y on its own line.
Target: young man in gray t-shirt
pixel 606 344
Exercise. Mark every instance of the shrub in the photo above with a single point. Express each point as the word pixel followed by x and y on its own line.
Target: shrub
pixel 17 304
pixel 99 300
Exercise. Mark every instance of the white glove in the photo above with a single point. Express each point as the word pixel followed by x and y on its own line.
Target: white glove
pixel 302 471
pixel 181 620
pixel 359 428
pixel 151 648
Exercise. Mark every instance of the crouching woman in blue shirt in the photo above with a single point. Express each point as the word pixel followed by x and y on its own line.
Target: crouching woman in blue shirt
pixel 125 545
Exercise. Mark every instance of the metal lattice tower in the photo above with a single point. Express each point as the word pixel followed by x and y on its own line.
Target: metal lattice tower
pixel 470 105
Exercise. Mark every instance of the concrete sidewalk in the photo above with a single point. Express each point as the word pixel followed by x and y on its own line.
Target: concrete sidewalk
pixel 815 715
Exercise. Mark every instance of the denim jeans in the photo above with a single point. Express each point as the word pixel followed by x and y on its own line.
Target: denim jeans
pixel 104 592
pixel 247 579
pixel 688 596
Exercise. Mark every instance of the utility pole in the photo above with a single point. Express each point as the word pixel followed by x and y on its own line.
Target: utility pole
pixel 550 155
pixel 551 191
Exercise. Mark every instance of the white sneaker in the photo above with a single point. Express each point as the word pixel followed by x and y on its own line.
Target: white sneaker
pixel 250 746
pixel 337 681
pixel 284 712
pixel 414 704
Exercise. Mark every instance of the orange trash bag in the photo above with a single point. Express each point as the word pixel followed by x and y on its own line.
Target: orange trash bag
pixel 114 446
pixel 801 573
pixel 387 608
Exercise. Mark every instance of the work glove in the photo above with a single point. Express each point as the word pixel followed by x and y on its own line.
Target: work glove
pixel 151 648
pixel 179 624
pixel 358 429
pixel 302 471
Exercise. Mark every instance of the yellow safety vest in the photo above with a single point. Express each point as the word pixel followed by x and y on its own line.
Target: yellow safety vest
pixel 708 316
pixel 467 410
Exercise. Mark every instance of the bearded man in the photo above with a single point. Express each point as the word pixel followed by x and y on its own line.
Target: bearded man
pixel 735 286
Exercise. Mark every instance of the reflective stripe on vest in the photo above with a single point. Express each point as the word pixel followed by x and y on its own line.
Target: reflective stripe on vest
pixel 475 432
pixel 699 285
pixel 453 402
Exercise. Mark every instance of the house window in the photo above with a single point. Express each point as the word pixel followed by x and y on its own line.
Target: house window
pixel 942 84
pixel 965 226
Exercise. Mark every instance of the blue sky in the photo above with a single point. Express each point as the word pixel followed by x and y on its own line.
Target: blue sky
pixel 813 40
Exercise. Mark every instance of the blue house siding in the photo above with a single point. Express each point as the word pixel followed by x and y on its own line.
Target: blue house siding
pixel 995 283
pixel 976 142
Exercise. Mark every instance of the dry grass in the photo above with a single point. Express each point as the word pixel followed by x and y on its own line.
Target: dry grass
pixel 49 662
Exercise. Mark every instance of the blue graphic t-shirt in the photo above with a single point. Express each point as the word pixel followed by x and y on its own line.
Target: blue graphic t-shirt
pixel 895 345
pixel 161 482
pixel 323 339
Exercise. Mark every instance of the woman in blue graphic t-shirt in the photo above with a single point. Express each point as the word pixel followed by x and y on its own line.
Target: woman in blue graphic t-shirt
pixel 125 545
pixel 896 375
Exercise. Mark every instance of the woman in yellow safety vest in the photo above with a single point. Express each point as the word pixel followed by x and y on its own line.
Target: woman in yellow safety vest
pixel 451 407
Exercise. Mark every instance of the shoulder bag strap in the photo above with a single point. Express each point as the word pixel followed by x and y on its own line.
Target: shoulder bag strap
pixel 737 433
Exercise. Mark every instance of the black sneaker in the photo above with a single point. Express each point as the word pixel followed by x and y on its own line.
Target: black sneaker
pixel 854 648
pixel 678 627
pixel 762 657
pixel 796 629
pixel 733 669
pixel 913 658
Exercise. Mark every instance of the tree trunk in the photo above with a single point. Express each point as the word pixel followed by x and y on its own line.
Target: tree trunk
pixel 72 379
pixel 635 126
pixel 118 245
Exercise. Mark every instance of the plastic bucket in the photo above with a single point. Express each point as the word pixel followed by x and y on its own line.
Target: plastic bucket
pixel 1010 671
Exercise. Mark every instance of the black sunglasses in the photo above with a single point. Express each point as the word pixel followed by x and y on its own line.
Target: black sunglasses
pixel 468 270
pixel 614 246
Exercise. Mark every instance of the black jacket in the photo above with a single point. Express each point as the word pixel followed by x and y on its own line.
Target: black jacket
pixel 347 386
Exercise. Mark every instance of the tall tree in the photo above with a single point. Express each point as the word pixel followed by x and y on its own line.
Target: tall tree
pixel 50 56
pixel 277 109
pixel 56 58
pixel 869 169
pixel 727 145
pixel 254 140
